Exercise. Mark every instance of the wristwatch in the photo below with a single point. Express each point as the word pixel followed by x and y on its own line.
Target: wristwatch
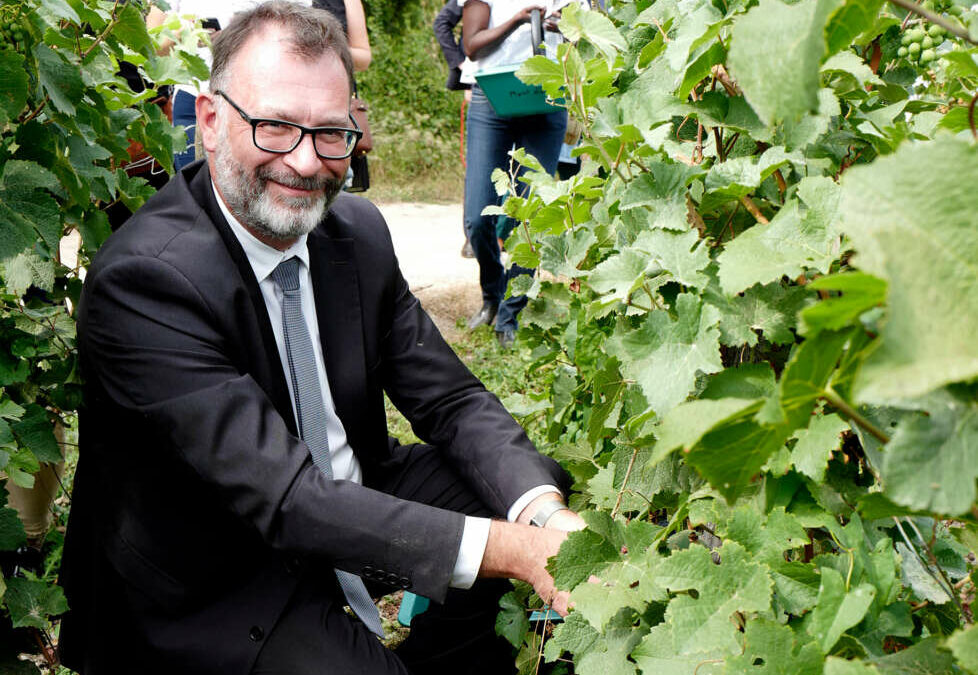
pixel 544 513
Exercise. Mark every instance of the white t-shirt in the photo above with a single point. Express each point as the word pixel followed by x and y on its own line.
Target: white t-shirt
pixel 517 47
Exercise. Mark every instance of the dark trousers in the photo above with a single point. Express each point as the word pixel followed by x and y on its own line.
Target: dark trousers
pixel 315 636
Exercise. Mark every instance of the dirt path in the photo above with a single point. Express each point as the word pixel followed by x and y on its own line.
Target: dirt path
pixel 427 240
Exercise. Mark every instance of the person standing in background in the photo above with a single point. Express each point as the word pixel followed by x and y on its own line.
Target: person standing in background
pixel 451 48
pixel 354 21
pixel 496 33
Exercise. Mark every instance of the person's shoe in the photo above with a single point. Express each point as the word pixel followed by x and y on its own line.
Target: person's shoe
pixel 484 317
pixel 506 338
pixel 467 251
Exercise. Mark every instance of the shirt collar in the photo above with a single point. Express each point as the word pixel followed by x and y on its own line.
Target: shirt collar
pixel 262 257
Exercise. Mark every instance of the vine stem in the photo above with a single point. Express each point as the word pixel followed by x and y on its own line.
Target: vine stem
pixel 940 581
pixel 851 413
pixel 911 6
pixel 754 211
pixel 624 483
pixel 104 34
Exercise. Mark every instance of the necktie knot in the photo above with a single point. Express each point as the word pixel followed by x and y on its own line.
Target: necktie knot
pixel 286 275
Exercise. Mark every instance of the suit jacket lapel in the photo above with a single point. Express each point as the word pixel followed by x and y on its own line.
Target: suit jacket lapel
pixel 267 371
pixel 336 288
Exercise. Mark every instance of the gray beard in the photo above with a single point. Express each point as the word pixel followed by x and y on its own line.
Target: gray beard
pixel 248 199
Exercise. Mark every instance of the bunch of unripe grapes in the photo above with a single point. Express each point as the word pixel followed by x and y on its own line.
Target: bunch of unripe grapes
pixel 921 38
pixel 11 31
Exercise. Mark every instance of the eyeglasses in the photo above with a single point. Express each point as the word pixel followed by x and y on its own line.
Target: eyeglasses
pixel 282 137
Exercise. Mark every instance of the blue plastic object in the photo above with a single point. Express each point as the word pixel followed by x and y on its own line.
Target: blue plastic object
pixel 411 606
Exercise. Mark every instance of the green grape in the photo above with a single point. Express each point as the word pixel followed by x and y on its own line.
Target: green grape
pixel 914 49
pixel 918 34
pixel 906 39
pixel 902 52
pixel 927 56
pixel 17 35
pixel 927 4
pixel 956 10
pixel 927 42
pixel 936 31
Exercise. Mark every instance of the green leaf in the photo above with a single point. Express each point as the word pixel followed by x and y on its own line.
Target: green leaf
pixel 686 424
pixel 837 609
pixel 964 645
pixel 917 577
pixel 25 270
pixel 931 462
pixel 512 621
pixel 59 79
pixel 59 9
pixel 773 649
pixel 36 433
pixel 630 583
pixel 657 654
pixel 839 666
pixel 580 555
pixel 31 602
pixel 859 293
pixel 621 275
pixel 775 55
pixel 574 635
pixel 849 21
pixel 703 623
pixel 924 658
pixel 683 255
pixel 816 444
pixel 791 243
pixel 769 309
pixel 664 355
pixel 130 29
pixel 11 529
pixel 595 27
pixel 16 86
pixel 914 228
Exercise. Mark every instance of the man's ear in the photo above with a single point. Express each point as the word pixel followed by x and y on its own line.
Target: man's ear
pixel 207 121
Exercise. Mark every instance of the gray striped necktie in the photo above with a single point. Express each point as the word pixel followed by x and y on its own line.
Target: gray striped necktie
pixel 311 411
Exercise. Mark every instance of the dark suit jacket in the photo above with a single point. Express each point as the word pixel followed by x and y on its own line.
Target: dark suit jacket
pixel 451 48
pixel 196 508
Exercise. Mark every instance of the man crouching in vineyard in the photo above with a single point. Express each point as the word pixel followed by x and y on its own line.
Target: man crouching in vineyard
pixel 237 486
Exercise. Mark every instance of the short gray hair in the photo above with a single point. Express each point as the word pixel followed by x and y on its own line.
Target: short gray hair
pixel 312 33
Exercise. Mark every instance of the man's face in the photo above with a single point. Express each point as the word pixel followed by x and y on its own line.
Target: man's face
pixel 277 196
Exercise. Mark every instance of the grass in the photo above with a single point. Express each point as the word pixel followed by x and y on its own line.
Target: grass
pixel 415 167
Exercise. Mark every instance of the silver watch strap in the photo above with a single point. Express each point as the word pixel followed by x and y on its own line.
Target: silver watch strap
pixel 544 513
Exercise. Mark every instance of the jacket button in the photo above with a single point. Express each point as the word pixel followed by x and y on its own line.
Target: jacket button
pixel 368 572
pixel 293 566
pixel 256 634
pixel 405 582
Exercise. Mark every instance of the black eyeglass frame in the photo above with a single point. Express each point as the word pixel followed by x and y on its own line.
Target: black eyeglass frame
pixel 312 131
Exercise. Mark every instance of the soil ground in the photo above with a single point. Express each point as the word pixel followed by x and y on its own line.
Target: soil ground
pixel 428 240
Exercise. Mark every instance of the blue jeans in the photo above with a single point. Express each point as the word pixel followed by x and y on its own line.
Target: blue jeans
pixel 185 115
pixel 488 139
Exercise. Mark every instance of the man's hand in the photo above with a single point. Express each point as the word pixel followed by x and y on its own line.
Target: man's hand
pixel 565 519
pixel 517 551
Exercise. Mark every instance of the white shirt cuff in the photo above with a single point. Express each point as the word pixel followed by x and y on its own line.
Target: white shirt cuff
pixel 475 536
pixel 517 508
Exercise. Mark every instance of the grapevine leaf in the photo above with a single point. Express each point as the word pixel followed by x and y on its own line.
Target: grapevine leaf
pixel 130 28
pixel 837 609
pixel 775 55
pixel 512 622
pixel 574 635
pixel 816 444
pixel 747 380
pixel 835 665
pixel 60 9
pixel 682 255
pixel 769 309
pixel 791 243
pixel 795 585
pixel 732 455
pixel 686 424
pixel 924 658
pixel 849 21
pixel 914 228
pixel 773 649
pixel 609 658
pixel 60 79
pixel 964 645
pixel 580 555
pixel 16 86
pixel 31 602
pixel 737 584
pixel 35 432
pixel 893 620
pixel 16 233
pixel 595 27
pixel 11 530
pixel 860 293
pixel 657 654
pixel 621 275
pixel 919 578
pixel 665 356
pixel 630 583
pixel 25 270
pixel 931 462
